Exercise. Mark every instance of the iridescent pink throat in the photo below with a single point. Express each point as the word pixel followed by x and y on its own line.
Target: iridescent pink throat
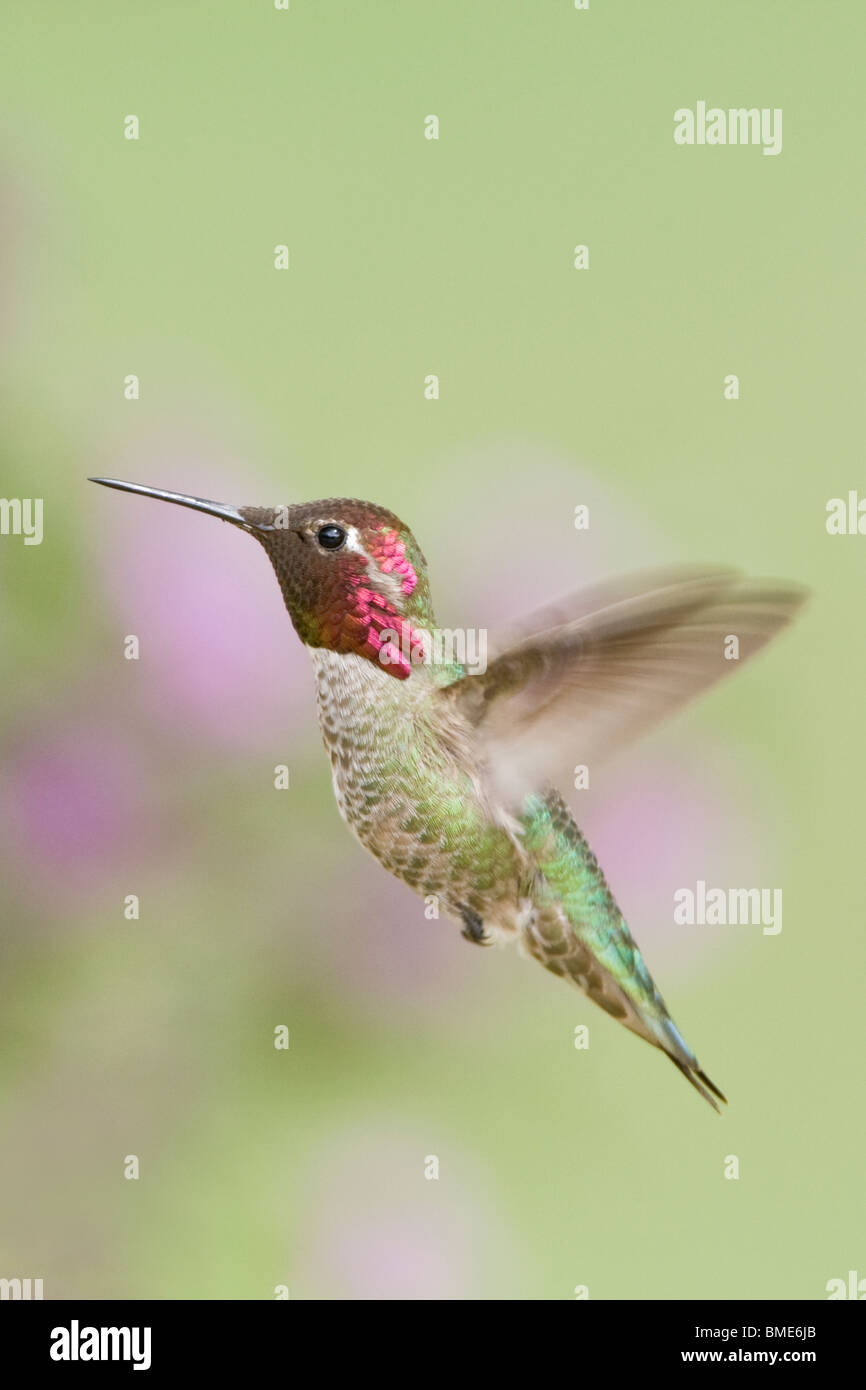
pixel 373 615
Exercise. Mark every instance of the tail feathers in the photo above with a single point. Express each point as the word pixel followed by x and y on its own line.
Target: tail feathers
pixel 577 932
pixel 701 1082
pixel 672 1042
pixel 633 1000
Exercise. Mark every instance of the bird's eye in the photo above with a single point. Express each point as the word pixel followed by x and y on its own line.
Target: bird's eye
pixel 331 537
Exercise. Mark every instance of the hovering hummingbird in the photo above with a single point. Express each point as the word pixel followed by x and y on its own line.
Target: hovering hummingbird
pixel 448 776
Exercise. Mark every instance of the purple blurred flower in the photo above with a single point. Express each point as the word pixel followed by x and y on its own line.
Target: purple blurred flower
pixel 72 798
pixel 219 660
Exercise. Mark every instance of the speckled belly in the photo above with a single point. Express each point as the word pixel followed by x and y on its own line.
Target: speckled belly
pixel 408 799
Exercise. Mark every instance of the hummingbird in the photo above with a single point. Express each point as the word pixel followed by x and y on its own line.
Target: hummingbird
pixel 448 775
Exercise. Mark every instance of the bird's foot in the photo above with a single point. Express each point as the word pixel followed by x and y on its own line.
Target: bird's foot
pixel 473 928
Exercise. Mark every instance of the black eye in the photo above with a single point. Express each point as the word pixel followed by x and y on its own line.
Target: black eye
pixel 331 537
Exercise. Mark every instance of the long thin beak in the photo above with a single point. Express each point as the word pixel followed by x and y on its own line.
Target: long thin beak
pixel 199 504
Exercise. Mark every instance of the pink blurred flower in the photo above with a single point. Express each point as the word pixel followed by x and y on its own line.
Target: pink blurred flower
pixel 72 797
pixel 377 1228
pixel 219 659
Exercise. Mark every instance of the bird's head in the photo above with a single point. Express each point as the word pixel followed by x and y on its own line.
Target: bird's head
pixel 352 575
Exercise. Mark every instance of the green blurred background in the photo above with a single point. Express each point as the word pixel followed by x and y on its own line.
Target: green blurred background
pixel 155 777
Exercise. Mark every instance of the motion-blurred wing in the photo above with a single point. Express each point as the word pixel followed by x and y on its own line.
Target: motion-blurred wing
pixel 630 653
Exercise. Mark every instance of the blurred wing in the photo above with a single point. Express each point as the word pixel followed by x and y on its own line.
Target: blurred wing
pixel 630 653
